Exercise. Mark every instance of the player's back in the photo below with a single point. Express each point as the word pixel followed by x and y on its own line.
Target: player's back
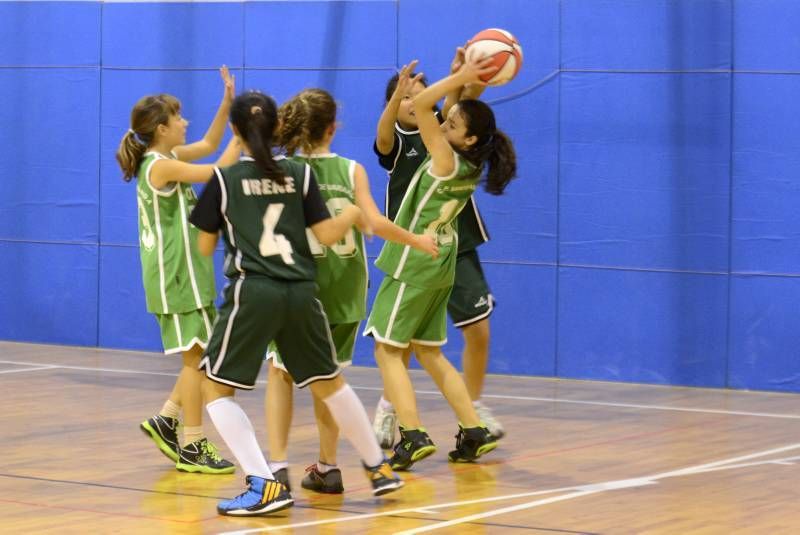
pixel 264 221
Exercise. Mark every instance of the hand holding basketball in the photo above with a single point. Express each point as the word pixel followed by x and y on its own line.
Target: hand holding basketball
pixel 504 50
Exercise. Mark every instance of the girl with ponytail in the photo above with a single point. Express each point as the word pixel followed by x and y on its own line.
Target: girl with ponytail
pixel 410 308
pixel 178 281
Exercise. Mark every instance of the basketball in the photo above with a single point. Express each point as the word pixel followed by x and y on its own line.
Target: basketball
pixel 503 48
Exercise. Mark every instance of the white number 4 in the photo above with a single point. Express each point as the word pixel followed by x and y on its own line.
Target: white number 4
pixel 274 244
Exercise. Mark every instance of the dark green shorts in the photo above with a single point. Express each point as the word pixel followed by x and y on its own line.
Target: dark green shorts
pixel 344 338
pixel 258 310
pixel 471 300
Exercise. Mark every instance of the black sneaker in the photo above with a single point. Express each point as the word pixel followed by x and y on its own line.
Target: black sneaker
pixel 329 482
pixel 414 445
pixel 383 479
pixel 202 456
pixel 471 443
pixel 164 432
pixel 282 477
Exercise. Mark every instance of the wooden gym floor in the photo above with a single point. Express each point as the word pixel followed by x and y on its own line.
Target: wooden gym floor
pixel 580 457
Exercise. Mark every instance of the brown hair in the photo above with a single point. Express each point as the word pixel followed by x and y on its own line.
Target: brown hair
pixel 304 120
pixel 147 114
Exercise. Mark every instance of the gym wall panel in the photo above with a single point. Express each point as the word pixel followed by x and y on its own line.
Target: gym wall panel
pixel 766 35
pixel 523 221
pixel 644 327
pixel 49 293
pixel 525 302
pixel 766 167
pixel 199 92
pixel 48 190
pixel 124 322
pixel 645 164
pixel 173 35
pixel 311 35
pixel 764 333
pixel 646 36
pixel 431 31
pixel 50 34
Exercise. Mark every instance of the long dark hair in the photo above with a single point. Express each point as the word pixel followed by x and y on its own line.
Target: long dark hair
pixel 255 116
pixel 304 120
pixel 149 112
pixel 493 147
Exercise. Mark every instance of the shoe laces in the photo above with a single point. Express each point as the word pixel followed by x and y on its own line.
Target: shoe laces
pixel 211 450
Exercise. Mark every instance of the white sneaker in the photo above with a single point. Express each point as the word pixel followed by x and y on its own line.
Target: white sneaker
pixel 384 426
pixel 488 419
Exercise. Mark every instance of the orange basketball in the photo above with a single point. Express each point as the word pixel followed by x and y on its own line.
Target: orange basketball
pixel 503 48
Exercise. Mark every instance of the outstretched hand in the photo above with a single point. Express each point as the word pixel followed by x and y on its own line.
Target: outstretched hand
pixel 230 83
pixel 405 81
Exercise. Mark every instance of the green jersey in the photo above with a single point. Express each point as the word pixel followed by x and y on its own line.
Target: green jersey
pixel 176 277
pixel 263 222
pixel 401 163
pixel 341 268
pixel 430 206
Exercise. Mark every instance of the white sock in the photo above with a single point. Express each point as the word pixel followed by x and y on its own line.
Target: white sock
pixel 170 410
pixel 323 468
pixel 386 405
pixel 274 466
pixel 350 416
pixel 236 430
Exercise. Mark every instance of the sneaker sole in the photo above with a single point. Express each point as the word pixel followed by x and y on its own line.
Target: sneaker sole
pixel 386 444
pixel 323 490
pixel 482 450
pixel 273 507
pixel 388 488
pixel 155 437
pixel 195 469
pixel 425 451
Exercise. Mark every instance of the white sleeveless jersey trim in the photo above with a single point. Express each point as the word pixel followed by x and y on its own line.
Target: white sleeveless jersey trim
pixel 155 190
pixel 479 219
pixel 224 210
pixel 413 224
pixel 306 180
pixel 451 176
pixel 187 248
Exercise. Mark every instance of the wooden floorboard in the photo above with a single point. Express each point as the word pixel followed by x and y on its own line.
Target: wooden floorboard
pixel 580 457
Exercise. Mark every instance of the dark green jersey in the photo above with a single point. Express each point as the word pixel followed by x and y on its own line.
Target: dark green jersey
pixel 430 206
pixel 341 267
pixel 401 163
pixel 263 222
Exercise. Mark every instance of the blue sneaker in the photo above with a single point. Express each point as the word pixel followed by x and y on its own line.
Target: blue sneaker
pixel 261 497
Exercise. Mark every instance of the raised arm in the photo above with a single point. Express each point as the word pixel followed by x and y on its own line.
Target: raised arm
pixel 381 225
pixel 384 139
pixel 213 136
pixel 442 157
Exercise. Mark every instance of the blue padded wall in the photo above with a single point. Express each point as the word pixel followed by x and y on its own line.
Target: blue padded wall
pixel 650 236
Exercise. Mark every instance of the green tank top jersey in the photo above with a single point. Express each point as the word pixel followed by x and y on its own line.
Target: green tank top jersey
pixel 401 166
pixel 176 277
pixel 430 206
pixel 342 267
pixel 264 222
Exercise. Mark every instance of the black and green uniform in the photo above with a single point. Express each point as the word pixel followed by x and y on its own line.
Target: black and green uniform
pixel 178 280
pixel 272 293
pixel 471 300
pixel 342 267
pixel 411 303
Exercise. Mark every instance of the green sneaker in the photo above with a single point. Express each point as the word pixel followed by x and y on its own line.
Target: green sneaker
pixel 202 456
pixel 164 432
